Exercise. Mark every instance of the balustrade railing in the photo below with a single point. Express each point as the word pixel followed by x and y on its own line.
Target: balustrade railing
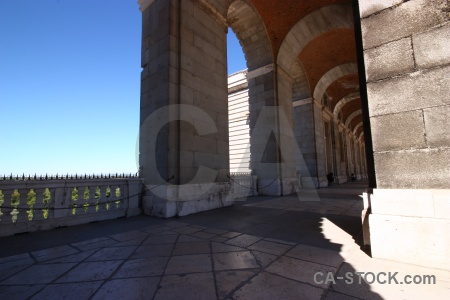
pixel 41 177
pixel 28 204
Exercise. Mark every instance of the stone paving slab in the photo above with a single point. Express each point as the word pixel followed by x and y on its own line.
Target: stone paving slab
pixel 234 261
pixel 191 286
pixel 75 291
pixel 129 288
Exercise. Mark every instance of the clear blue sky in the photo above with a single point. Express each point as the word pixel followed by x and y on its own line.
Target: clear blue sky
pixel 69 85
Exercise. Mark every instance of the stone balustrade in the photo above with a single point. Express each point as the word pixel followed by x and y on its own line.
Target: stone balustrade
pixel 31 205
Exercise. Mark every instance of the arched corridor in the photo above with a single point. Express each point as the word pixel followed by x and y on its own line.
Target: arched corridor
pixel 334 93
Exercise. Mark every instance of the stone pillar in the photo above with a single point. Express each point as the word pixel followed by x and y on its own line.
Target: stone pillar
pixel 133 190
pixel 271 131
pixel 350 153
pixel 306 141
pixel 357 159
pixel 321 154
pixel 363 150
pixel 407 58
pixel 184 154
pixel 264 150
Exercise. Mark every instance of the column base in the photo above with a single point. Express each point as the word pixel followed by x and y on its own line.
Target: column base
pixel 341 179
pixel 411 226
pixel 171 200
pixel 133 212
pixel 322 182
pixel 290 185
pixel 308 182
pixel 269 187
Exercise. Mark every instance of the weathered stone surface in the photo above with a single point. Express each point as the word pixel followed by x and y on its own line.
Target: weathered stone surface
pixel 191 286
pixel 388 60
pixel 129 288
pixel 291 289
pixel 414 169
pixel 414 91
pixel 299 270
pixel 234 261
pixel 401 21
pixel 432 48
pixel 424 241
pixel 227 281
pixel 74 291
pixel 189 264
pixel 90 271
pixel 437 120
pixel 270 247
pixel 37 274
pixel 149 266
pixel 316 255
pixel 429 203
pixel 368 7
pixel 398 131
pixel 200 70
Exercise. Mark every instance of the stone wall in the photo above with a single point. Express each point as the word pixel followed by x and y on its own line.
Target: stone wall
pixel 407 60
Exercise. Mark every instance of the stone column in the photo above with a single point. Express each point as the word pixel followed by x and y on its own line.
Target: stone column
pixel 319 132
pixel 184 154
pixel 306 141
pixel 364 161
pixel 407 58
pixel 133 190
pixel 350 153
pixel 264 138
pixel 271 131
pixel 357 164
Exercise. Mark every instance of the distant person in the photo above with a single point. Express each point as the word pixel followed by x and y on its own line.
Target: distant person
pixel 330 178
pixel 352 177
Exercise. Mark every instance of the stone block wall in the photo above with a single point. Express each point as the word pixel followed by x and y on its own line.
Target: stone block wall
pixel 184 63
pixel 304 134
pixel 407 58
pixel 408 85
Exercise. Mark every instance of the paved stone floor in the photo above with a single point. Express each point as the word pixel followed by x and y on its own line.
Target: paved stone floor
pixel 261 248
